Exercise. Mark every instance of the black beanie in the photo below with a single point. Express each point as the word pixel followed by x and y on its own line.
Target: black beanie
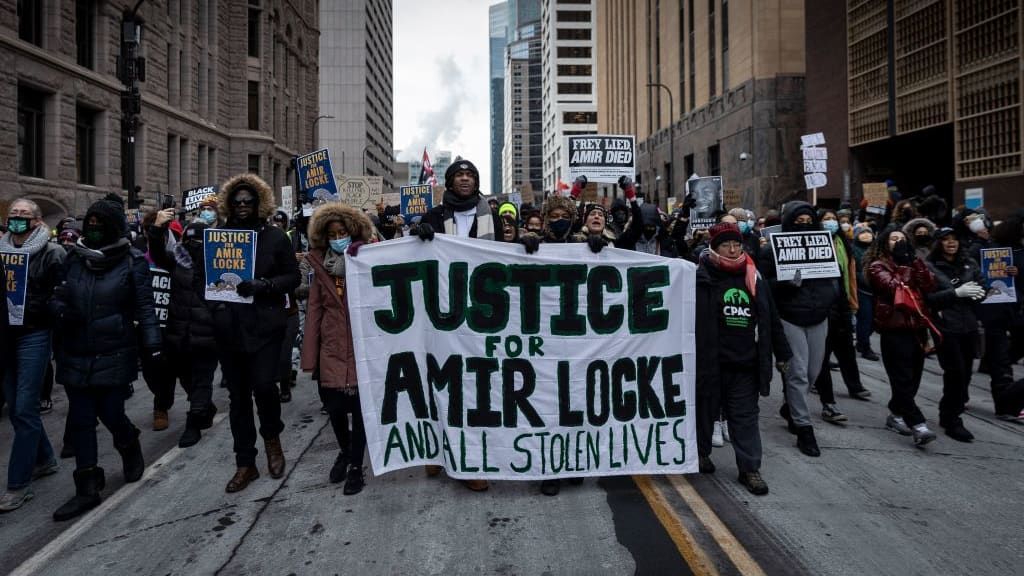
pixel 449 174
pixel 110 212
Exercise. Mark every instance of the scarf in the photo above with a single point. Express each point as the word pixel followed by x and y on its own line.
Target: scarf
pixel 744 264
pixel 458 204
pixel 844 264
pixel 484 217
pixel 105 257
pixel 334 263
pixel 36 241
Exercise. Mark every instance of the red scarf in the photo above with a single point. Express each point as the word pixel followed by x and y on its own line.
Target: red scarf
pixel 734 266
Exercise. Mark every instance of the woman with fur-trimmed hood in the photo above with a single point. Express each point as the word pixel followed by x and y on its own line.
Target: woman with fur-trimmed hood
pixel 595 231
pixel 249 336
pixel 327 348
pixel 558 215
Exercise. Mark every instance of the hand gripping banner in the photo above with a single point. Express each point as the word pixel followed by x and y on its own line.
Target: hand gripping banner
pixel 501 365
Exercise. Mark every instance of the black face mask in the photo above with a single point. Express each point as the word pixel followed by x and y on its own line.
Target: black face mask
pixel 93 235
pixel 923 241
pixel 807 227
pixel 862 244
pixel 650 231
pixel 619 217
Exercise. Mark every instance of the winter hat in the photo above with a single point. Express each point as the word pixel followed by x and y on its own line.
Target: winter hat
pixel 724 232
pixel 508 208
pixel 591 207
pixel 110 212
pixel 209 201
pixel 69 235
pixel 461 164
pixel 943 232
pixel 862 228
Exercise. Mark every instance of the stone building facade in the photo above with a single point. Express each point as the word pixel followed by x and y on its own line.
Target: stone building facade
pixel 230 86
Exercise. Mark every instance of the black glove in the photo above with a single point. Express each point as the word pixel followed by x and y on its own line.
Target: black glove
pixel 689 201
pixel 353 248
pixel 596 242
pixel 425 231
pixel 903 253
pixel 253 287
pixel 531 242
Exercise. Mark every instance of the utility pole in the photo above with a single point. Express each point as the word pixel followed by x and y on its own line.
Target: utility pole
pixel 131 70
pixel 671 138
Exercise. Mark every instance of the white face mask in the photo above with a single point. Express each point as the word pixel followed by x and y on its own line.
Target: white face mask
pixel 845 226
pixel 976 225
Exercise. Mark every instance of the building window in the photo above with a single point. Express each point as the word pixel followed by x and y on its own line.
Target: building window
pixel 254 105
pixel 693 56
pixel 711 48
pixel 688 165
pixel 574 88
pixel 184 177
pixel 85 144
pixel 714 168
pixel 211 164
pixel 254 28
pixel 30 21
pixel 254 163
pixel 574 70
pixel 85 26
pixel 30 132
pixel 579 118
pixel 574 33
pixel 572 16
pixel 574 52
pixel 725 45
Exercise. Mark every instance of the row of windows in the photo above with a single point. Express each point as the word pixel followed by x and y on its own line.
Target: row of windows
pixel 574 52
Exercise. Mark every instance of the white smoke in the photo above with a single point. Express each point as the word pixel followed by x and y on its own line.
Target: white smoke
pixel 439 128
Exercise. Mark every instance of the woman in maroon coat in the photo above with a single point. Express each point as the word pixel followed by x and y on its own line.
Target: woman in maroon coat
pixel 327 349
pixel 893 266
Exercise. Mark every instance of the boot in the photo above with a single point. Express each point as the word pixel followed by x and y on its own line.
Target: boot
pixel 275 457
pixel 88 483
pixel 192 433
pixel 295 376
pixel 432 470
pixel 206 422
pixel 476 485
pixel 67 450
pixel 790 425
pixel 354 482
pixel 550 487
pixel 160 420
pixel 243 476
pixel 806 442
pixel 132 461
pixel 340 468
pixel 286 392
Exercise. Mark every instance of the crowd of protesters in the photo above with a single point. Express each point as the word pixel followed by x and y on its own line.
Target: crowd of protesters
pixel 908 271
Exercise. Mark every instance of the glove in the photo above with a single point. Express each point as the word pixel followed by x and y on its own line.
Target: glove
pixel 626 184
pixel 577 187
pixel 782 367
pixel 903 254
pixel 353 248
pixel 970 290
pixel 253 287
pixel 531 242
pixel 425 231
pixel 689 201
pixel 797 280
pixel 596 243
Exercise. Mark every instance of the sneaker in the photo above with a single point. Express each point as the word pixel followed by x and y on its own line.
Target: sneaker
pixel 706 466
pixel 1019 418
pixel 754 483
pixel 896 424
pixel 45 406
pixel 957 432
pixel 47 469
pixel 813 389
pixel 922 435
pixel 14 499
pixel 833 366
pixel 716 435
pixel 864 394
pixel 725 431
pixel 869 354
pixel 831 413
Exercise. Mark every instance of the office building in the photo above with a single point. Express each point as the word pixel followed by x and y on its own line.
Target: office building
pixel 522 154
pixel 498 39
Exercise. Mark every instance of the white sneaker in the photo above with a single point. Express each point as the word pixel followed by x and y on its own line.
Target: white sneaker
pixel 898 425
pixel 922 435
pixel 13 499
pixel 725 431
pixel 716 435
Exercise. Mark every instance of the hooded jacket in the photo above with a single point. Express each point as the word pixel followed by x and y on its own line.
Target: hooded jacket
pixel 643 216
pixel 327 347
pixel 811 302
pixel 953 315
pixel 908 230
pixel 45 272
pixel 252 327
pixel 189 322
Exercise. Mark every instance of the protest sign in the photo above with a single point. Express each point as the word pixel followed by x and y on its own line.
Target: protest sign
pixel 316 177
pixel 16 264
pixel 516 198
pixel 769 230
pixel 416 200
pixel 974 198
pixel 732 198
pixel 811 253
pixel 496 365
pixel 876 195
pixel 438 195
pixel 707 196
pixel 193 197
pixel 816 139
pixel 670 204
pixel 395 198
pixel 230 257
pixel 999 285
pixel 361 191
pixel 601 158
pixel 161 283
pixel 287 200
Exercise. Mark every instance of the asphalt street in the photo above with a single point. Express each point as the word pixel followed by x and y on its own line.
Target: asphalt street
pixel 871 504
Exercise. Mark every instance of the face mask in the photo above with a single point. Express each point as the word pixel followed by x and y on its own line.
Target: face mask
pixel 93 235
pixel 209 217
pixel 831 225
pixel 338 246
pixel 17 225
pixel 744 226
pixel 846 226
pixel 923 240
pixel 808 227
pixel 559 227
pixel 534 230
pixel 863 244
pixel 977 225
pixel 650 231
pixel 619 217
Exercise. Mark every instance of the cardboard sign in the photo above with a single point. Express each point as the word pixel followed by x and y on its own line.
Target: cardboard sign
pixel 17 285
pixel 707 195
pixel 601 158
pixel 287 200
pixel 1000 286
pixel 316 177
pixel 516 198
pixel 161 293
pixel 876 194
pixel 395 198
pixel 816 180
pixel 733 198
pixel 816 139
pixel 416 200
pixel 528 386
pixel 438 195
pixel 230 258
pixel 361 191
pixel 193 197
pixel 812 253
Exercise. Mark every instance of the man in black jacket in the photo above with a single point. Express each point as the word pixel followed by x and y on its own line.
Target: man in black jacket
pixel 464 212
pixel 249 336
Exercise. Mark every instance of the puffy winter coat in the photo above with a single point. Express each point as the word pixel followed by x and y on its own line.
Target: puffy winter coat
pixel 189 322
pixel 885 276
pixel 953 315
pixel 103 297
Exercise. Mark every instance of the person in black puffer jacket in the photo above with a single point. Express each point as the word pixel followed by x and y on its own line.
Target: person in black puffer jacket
pixel 106 292
pixel 804 307
pixel 959 288
pixel 249 336
pixel 190 348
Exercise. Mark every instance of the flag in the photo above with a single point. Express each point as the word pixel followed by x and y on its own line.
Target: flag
pixel 427 171
pixel 561 186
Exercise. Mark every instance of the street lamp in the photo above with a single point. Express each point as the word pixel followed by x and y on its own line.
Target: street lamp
pixel 671 138
pixel 365 150
pixel 314 134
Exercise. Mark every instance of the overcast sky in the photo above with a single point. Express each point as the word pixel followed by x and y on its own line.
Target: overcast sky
pixel 441 80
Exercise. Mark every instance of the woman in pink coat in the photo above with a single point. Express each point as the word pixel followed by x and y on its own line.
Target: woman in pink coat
pixel 327 350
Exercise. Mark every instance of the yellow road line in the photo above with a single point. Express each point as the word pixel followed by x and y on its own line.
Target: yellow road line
pixel 695 557
pixel 718 530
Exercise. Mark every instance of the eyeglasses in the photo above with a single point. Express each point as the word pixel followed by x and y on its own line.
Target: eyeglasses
pixel 243 201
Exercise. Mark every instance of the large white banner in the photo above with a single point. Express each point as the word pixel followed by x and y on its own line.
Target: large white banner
pixel 496 364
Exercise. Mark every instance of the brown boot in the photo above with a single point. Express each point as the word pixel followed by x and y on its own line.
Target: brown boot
pixel 160 421
pixel 432 470
pixel 275 457
pixel 243 476
pixel 476 485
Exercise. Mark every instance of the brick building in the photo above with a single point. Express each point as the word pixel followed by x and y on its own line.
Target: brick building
pixel 230 86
